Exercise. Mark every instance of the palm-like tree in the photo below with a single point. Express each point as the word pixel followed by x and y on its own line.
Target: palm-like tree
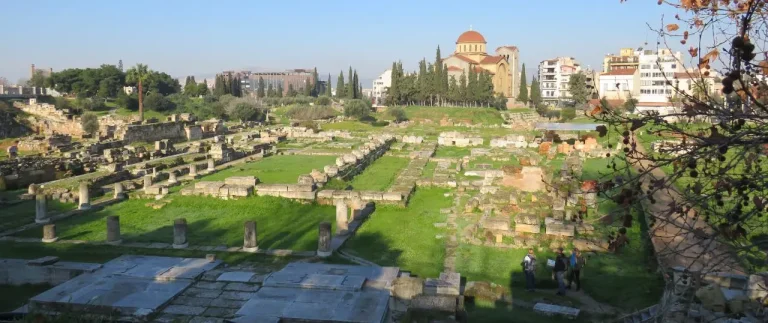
pixel 138 74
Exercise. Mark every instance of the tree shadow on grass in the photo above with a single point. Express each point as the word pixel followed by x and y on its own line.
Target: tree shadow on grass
pixel 374 248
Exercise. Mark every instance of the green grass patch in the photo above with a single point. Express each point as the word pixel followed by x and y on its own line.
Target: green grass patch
pixel 405 237
pixel 283 169
pixel 379 175
pixel 23 212
pixel 452 152
pixel 281 223
pixel 470 115
pixel 148 114
pixel 429 170
pixel 355 126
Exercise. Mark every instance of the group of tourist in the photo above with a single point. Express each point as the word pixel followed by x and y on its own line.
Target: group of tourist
pixel 565 267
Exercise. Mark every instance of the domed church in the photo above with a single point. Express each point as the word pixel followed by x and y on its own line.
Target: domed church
pixel 471 53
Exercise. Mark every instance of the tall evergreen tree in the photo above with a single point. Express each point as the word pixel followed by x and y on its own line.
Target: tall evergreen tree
pixel 444 83
pixel 472 87
pixel 463 90
pixel 279 93
pixel 219 86
pixel 423 84
pixel 523 95
pixel 270 91
pixel 350 91
pixel 260 91
pixel 315 83
pixel 356 86
pixel 341 89
pixel 308 90
pixel 453 91
pixel 392 92
pixel 328 89
pixel 291 91
pixel 437 79
pixel 535 92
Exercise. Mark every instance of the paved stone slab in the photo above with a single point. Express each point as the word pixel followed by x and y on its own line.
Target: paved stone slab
pixel 184 310
pixel 241 296
pixel 236 276
pixel 209 285
pixel 241 287
pixel 220 312
pixel 550 309
pixel 172 318
pixel 200 292
pixel 204 319
pixel 192 301
pixel 228 303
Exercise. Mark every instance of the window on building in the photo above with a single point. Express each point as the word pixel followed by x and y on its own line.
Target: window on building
pixel 674 65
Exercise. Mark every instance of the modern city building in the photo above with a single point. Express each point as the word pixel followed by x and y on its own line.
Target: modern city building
pixel 380 85
pixel 627 59
pixel 249 81
pixel 619 84
pixel 470 53
pixel 554 75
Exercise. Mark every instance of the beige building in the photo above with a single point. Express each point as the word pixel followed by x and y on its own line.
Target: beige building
pixel 628 59
pixel 471 53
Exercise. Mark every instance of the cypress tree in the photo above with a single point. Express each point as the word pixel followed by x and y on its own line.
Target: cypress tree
pixel 328 90
pixel 341 89
pixel 463 90
pixel 350 91
pixel 535 92
pixel 260 91
pixel 315 83
pixel 308 91
pixel 279 92
pixel 437 79
pixel 270 91
pixel 523 95
pixel 291 90
pixel 218 86
pixel 422 83
pixel 356 86
pixel 472 86
pixel 392 91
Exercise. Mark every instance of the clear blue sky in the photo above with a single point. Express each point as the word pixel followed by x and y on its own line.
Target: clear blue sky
pixel 203 37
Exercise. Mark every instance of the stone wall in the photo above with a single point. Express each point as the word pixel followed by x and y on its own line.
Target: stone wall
pixel 152 132
pixel 292 191
pixel 10 127
pixel 453 138
pixel 46 270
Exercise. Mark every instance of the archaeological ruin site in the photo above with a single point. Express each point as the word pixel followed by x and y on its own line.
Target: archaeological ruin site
pixel 424 220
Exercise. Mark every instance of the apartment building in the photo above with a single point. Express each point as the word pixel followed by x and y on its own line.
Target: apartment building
pixel 619 84
pixel 380 85
pixel 627 59
pixel 554 75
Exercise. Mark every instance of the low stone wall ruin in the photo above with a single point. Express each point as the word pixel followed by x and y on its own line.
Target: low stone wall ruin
pixel 152 132
pixel 291 191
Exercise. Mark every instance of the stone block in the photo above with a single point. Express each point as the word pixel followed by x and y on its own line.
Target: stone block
pixel 551 309
pixel 241 287
pixel 227 303
pixel 392 196
pixel 43 261
pixel 241 180
pixel 235 276
pixel 407 287
pixel 184 310
pixel 445 304
pixel 561 230
pixel 496 224
pixel 527 228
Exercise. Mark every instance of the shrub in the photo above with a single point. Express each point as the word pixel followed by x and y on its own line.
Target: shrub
pixel 323 100
pixel 90 123
pixel 310 125
pixel 380 123
pixel 568 114
pixel 130 102
pixel 310 112
pixel 246 109
pixel 157 102
pixel 356 109
pixel 397 113
pixel 62 103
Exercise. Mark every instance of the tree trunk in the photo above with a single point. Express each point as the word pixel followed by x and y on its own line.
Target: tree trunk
pixel 141 102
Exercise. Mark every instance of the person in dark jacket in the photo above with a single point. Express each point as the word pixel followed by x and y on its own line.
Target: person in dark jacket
pixel 529 269
pixel 575 263
pixel 561 265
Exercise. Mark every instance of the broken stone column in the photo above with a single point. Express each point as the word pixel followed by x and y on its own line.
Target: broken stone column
pixel 41 209
pixel 119 191
pixel 32 190
pixel 49 233
pixel 193 170
pixel 324 240
pixel 356 209
pixel 211 165
pixel 147 182
pixel 180 234
pixel 172 177
pixel 250 240
pixel 85 198
pixel 341 218
pixel 113 230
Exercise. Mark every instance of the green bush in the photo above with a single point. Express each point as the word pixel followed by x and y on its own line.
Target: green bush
pixel 568 114
pixel 380 123
pixel 157 102
pixel 310 112
pixel 90 123
pixel 397 113
pixel 130 102
pixel 356 109
pixel 323 100
pixel 245 109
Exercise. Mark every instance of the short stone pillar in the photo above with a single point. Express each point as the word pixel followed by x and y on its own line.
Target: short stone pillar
pixel 324 240
pixel 211 165
pixel 250 239
pixel 41 208
pixel 192 170
pixel 32 189
pixel 356 209
pixel 147 182
pixel 49 233
pixel 113 230
pixel 341 218
pixel 119 191
pixel 180 234
pixel 85 197
pixel 172 177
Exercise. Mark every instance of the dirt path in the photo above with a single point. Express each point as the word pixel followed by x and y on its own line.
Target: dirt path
pixel 682 240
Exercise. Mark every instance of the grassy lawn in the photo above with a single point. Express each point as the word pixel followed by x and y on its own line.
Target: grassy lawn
pixel 379 175
pixel 148 114
pixel 281 223
pixel 495 164
pixel 452 152
pixel 520 110
pixel 471 115
pixel 429 170
pixel 283 169
pixel 348 125
pixel 405 237
pixel 12 216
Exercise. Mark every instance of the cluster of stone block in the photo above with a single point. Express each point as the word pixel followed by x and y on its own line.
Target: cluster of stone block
pixel 231 187
pixel 349 165
pixel 291 191
pixel 328 196
pixel 455 138
pixel 412 139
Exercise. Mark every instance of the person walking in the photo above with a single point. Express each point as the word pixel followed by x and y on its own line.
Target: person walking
pixel 529 269
pixel 558 271
pixel 576 263
pixel 13 150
